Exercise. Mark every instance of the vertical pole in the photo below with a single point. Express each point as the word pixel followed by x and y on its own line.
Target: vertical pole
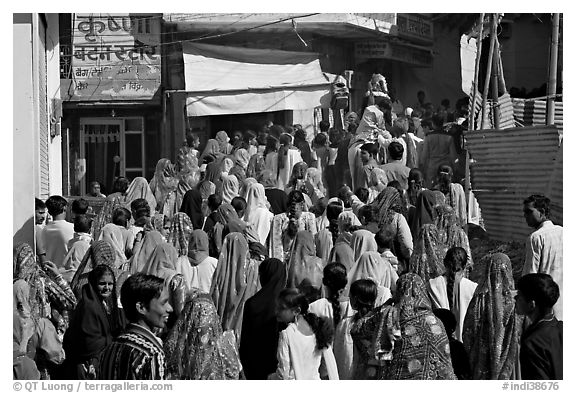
pixel 476 72
pixel 489 70
pixel 495 78
pixel 552 71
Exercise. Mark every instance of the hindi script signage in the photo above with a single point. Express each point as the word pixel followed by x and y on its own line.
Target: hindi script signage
pixel 115 57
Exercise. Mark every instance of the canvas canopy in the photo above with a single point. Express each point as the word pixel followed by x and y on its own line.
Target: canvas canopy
pixel 227 80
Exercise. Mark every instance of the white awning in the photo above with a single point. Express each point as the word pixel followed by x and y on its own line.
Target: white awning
pixel 226 80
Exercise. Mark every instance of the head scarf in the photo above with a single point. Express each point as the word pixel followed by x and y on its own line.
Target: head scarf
pixel 104 216
pixel 255 199
pixel 362 241
pixel 227 164
pixel 180 231
pixel 425 210
pixel 342 253
pixel 303 262
pixel 198 247
pixel 139 188
pixel 186 183
pixel 143 251
pixel 230 188
pixel 100 253
pixel 192 206
pixel 161 184
pixel 260 329
pixel 346 220
pixel 269 179
pixel 234 281
pixel 372 266
pixel 223 139
pixel 244 187
pixel 241 158
pixel 490 328
pixel 226 212
pixel 212 148
pixel 162 262
pixel 426 260
pixel 256 165
pixel 315 179
pixel 322 222
pixel 158 221
pixel 115 235
pixel 324 244
pixel 196 348
pixel 206 189
pixel 423 351
pixel 388 203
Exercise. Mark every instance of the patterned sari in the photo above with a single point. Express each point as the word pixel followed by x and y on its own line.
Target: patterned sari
pixel 196 347
pixel 423 350
pixel 490 332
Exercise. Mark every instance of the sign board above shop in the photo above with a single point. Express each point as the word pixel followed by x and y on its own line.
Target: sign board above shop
pixel 368 50
pixel 115 57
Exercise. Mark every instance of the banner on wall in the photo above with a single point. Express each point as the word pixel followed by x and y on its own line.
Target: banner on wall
pixel 468 51
pixel 114 57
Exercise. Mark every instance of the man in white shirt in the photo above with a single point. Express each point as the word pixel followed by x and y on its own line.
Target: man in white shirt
pixel 57 233
pixel 544 245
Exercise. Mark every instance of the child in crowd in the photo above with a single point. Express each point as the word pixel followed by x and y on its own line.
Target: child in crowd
pixel 385 242
pixel 78 246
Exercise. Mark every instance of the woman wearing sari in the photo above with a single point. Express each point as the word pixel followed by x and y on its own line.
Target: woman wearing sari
pixel 230 188
pixel 96 321
pixel 192 207
pixel 196 348
pixel 224 214
pixel 48 290
pixel 277 198
pixel 314 185
pixel 235 280
pixel 425 212
pixel 342 251
pixel 423 350
pixel 163 182
pixel 206 189
pixel 180 237
pixel 362 242
pixel 490 332
pixel 162 264
pixel 143 250
pixel 288 156
pixel 202 265
pixel 286 225
pixel 271 156
pixel 451 234
pixel 257 214
pixel 241 159
pixel 260 329
pixel 453 192
pixel 139 188
pixel 427 262
pixel 212 149
pixel 371 266
pixel 100 253
pixel 303 262
pixel 223 142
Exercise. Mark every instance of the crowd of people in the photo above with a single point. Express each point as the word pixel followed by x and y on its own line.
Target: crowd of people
pixel 270 257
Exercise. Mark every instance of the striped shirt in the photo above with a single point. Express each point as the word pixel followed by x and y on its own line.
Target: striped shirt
pixel 136 354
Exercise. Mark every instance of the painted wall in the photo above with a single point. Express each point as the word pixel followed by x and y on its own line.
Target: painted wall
pixel 25 144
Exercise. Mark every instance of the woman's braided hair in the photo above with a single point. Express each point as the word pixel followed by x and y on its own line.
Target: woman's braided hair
pixel 335 278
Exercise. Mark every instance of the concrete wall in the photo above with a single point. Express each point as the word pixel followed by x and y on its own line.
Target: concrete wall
pixel 26 118
pixel 25 145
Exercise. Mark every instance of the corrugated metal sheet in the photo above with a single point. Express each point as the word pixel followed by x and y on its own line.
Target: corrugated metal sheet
pixel 506 112
pixel 533 112
pixel 509 165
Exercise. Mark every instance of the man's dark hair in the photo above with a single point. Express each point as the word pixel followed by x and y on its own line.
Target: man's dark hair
pixel 371 148
pixel 384 238
pixel 540 203
pixel 362 193
pixel 82 223
pixel 239 204
pixel 191 137
pixel 121 216
pixel 369 213
pixel 140 208
pixel 396 150
pixel 120 185
pixel 142 288
pixel 39 204
pixel 56 204
pixel 345 195
pixel 80 206
pixel 324 126
pixel 539 287
pixel 214 201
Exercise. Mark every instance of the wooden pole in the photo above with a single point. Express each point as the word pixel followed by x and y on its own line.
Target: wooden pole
pixel 552 70
pixel 476 72
pixel 488 71
pixel 495 79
